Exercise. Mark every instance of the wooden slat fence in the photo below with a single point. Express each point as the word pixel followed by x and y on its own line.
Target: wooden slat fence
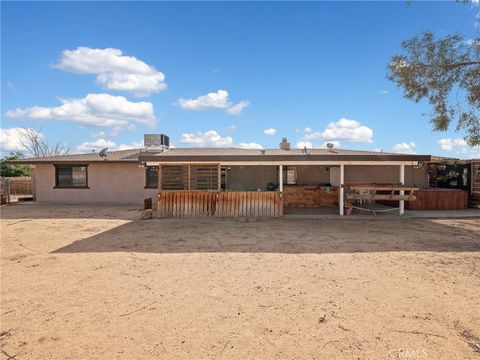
pixel 219 204
pixel 21 185
pixel 186 203
pixel 249 203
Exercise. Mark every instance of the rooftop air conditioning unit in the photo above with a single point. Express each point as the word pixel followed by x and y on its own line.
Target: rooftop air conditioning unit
pixel 156 142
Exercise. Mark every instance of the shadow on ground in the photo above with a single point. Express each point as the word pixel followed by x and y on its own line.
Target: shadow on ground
pixel 283 236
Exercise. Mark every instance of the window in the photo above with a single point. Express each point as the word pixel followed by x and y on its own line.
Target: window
pixel 69 176
pixel 174 177
pixel 204 177
pixel 189 177
pixel 289 175
pixel 151 177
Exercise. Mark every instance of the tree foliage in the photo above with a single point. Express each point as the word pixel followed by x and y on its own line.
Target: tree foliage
pixel 446 71
pixel 10 170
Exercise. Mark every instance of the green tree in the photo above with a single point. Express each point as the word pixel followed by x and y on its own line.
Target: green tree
pixel 446 71
pixel 10 170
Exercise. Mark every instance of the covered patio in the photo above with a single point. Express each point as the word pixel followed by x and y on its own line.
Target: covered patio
pixel 273 187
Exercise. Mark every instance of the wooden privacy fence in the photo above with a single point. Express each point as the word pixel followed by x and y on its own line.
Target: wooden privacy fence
pixel 249 203
pixel 21 185
pixel 221 204
pixel 186 203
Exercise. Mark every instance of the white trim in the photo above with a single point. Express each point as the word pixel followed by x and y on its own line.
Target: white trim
pixel 290 163
pixel 342 190
pixel 402 192
pixel 280 178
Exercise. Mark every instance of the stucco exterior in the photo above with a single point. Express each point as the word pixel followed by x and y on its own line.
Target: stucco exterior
pixel 109 182
pixel 414 176
pixel 245 178
pixel 125 183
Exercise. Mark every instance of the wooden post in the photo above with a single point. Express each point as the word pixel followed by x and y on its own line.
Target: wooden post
pixel 342 190
pixel 280 178
pixel 189 177
pixel 402 192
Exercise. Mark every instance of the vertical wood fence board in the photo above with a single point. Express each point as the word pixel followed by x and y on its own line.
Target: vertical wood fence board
pixel 197 203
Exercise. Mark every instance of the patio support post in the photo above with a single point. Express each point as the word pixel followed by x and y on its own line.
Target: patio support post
pixel 402 192
pixel 280 178
pixel 342 180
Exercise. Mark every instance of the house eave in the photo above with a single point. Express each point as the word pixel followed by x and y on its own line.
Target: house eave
pixel 284 158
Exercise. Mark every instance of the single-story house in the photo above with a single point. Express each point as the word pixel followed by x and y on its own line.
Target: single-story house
pixel 229 181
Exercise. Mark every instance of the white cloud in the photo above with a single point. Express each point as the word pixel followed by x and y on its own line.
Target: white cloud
pixel 99 134
pixel 95 145
pixel 405 148
pixel 270 131
pixel 238 108
pixel 10 139
pixel 212 138
pixel 477 20
pixel 206 139
pixel 343 129
pixel 214 100
pixel 384 92
pixel 114 70
pixel 250 146
pixel 102 143
pixel 93 110
pixel 460 147
pixel 304 144
pixel 448 144
pixel 310 145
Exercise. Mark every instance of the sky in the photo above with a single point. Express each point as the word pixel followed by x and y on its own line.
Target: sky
pixel 99 75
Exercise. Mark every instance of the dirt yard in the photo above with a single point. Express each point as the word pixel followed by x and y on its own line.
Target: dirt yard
pixel 82 282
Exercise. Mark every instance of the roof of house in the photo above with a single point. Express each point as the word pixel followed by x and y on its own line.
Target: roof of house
pixel 226 154
pixel 122 156
pixel 236 154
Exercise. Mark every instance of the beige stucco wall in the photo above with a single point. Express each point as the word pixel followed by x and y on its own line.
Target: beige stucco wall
pixel 125 182
pixel 107 183
pixel 245 178
pixel 414 176
pixel 257 177
pixel 313 175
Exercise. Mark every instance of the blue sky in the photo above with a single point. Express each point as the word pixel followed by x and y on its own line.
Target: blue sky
pixel 102 74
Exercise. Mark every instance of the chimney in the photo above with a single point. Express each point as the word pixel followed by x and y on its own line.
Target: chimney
pixel 285 145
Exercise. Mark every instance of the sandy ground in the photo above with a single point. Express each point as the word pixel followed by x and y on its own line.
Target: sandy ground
pixel 82 282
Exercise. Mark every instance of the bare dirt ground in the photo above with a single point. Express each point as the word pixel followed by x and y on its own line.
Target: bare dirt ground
pixel 94 282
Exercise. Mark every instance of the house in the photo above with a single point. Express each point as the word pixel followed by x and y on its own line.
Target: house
pixel 226 181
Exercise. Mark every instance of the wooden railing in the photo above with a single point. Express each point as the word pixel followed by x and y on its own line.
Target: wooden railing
pixel 221 204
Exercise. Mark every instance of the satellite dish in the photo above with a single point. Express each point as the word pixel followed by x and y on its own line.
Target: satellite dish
pixel 103 153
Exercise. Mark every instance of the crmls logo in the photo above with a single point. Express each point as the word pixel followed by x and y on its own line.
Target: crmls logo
pixel 408 353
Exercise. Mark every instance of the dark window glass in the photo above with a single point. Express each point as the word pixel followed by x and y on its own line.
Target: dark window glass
pixel 71 176
pixel 151 177
pixel 289 175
